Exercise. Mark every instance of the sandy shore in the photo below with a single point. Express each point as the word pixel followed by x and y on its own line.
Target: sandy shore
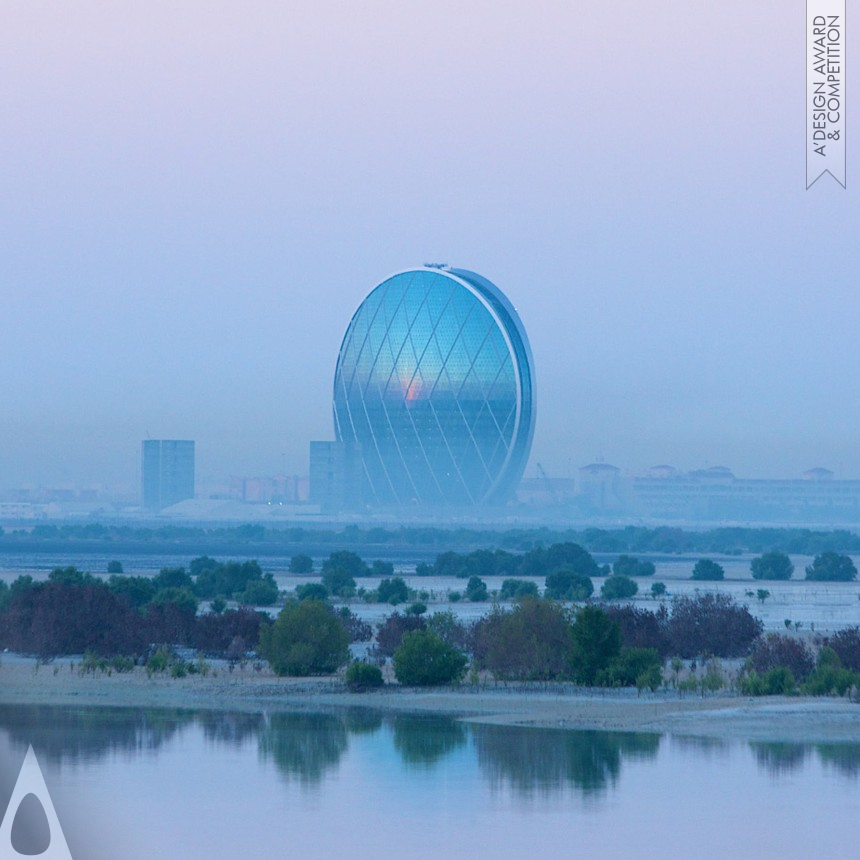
pixel 727 716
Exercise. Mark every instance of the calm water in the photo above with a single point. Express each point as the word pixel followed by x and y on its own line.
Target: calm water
pixel 181 784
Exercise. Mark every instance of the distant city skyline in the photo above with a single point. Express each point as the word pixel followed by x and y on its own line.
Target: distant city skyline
pixel 195 198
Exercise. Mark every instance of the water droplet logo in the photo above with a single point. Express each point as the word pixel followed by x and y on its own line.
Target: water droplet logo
pixel 31 782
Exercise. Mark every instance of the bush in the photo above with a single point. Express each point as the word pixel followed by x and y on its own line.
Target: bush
pixel 596 643
pixel 181 597
pixel 137 590
pixel 307 638
pixel 230 579
pixel 533 641
pixel 627 565
pixel 565 583
pixel 72 576
pixel 338 581
pixel 215 631
pixel 777 681
pixel 392 591
pixel 358 630
pixel 54 619
pixel 391 632
pixel 618 588
pixel 515 588
pixel 846 646
pixel 641 628
pixel 425 659
pixel 772 565
pixel 172 577
pixel 711 624
pixel 363 676
pixel 416 609
pixel 632 665
pixel 476 590
pixel 776 650
pixel 382 568
pixel 705 569
pixel 311 591
pixel 347 563
pixel 830 677
pixel 260 592
pixel 451 630
pixel 114 567
pixel 301 563
pixel 454 596
pixel 658 589
pixel 831 567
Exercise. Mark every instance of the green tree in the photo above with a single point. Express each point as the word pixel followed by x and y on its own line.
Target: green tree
pixel 565 583
pixel 476 589
pixel 338 581
pixel 172 577
pixel 596 643
pixel 311 591
pixel 382 568
pixel 628 565
pixel 307 638
pixel 514 588
pixel 618 588
pixel 301 563
pixel 532 642
pixel 347 562
pixel 71 576
pixel 393 591
pixel 425 659
pixel 114 567
pixel 363 676
pixel 772 565
pixel 706 569
pixel 658 589
pixel 183 598
pixel 832 567
pixel 137 590
pixel 260 592
pixel 631 666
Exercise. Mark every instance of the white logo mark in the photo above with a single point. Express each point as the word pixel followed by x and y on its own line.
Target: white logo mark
pixel 31 781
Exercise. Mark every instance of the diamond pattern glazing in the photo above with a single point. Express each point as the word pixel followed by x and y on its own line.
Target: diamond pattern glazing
pixel 434 382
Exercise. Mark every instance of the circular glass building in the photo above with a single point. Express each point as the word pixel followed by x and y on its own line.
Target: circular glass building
pixel 434 387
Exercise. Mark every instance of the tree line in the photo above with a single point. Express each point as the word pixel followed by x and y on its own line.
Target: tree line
pixel 631 539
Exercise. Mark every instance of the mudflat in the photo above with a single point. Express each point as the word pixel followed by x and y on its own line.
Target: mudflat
pixel 798 719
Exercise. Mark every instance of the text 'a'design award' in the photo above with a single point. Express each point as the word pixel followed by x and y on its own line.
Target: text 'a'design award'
pixel 825 90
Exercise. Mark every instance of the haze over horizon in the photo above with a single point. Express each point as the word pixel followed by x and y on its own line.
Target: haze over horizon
pixel 196 196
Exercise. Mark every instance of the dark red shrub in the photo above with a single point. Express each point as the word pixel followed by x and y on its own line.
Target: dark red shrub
pixel 777 650
pixel 390 633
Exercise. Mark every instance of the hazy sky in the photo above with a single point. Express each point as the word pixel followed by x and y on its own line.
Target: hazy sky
pixel 195 197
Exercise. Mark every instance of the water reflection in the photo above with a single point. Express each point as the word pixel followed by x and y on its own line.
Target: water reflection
pixel 844 758
pixel 779 758
pixel 70 735
pixel 308 748
pixel 305 747
pixel 231 729
pixel 423 741
pixel 548 760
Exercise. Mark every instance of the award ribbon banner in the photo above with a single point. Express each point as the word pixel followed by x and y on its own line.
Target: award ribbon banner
pixel 825 90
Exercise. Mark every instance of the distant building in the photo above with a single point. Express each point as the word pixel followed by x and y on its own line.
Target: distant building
pixel 336 476
pixel 167 473
pixel 664 493
pixel 275 490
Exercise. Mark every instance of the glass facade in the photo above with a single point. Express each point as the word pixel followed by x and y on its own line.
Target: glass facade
pixel 435 386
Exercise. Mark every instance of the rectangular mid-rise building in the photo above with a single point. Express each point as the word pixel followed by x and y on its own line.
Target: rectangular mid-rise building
pixel 167 473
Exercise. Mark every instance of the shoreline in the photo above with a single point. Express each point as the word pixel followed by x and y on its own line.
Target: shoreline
pixel 727 716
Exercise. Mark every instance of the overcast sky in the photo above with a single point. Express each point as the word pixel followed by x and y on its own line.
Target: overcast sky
pixel 195 197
